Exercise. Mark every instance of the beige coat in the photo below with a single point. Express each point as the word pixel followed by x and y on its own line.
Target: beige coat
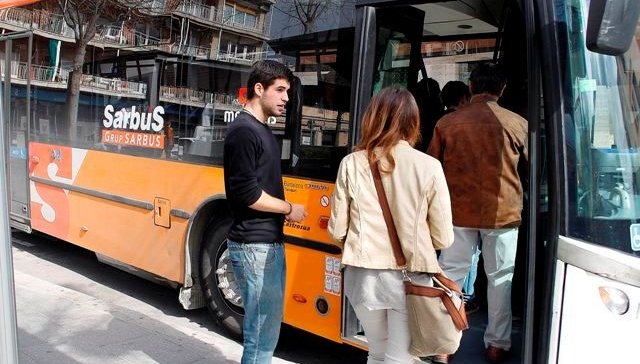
pixel 420 206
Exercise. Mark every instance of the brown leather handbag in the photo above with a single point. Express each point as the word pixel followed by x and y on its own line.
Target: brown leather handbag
pixel 436 314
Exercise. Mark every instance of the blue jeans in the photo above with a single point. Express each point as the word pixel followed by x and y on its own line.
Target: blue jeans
pixel 260 273
pixel 470 280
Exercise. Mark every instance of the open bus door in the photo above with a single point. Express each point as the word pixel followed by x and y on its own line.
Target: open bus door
pixel 580 272
pixel 387 52
pixel 390 52
pixel 17 73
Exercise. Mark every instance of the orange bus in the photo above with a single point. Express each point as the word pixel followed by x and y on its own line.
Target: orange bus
pixel 135 174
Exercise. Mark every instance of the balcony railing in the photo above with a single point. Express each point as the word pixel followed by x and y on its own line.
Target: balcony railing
pixel 197 9
pixel 156 7
pixel 58 78
pixel 128 37
pixel 186 95
pixel 244 26
pixel 195 51
pixel 119 36
pixel 95 83
pixel 242 58
pixel 52 23
pixel 16 16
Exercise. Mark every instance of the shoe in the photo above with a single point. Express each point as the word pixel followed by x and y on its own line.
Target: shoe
pixel 471 306
pixel 495 355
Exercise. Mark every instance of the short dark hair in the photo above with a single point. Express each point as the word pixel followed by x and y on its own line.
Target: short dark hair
pixel 265 73
pixel 487 77
pixel 453 92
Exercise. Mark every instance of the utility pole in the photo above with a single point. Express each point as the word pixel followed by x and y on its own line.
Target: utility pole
pixel 8 330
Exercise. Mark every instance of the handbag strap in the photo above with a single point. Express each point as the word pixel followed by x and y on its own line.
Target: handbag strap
pixel 388 219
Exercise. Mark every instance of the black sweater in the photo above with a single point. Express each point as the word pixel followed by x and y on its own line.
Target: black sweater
pixel 252 165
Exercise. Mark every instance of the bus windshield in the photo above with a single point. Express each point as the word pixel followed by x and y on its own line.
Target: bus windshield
pixel 602 134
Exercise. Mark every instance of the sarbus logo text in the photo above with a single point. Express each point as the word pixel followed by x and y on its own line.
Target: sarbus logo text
pixel 133 120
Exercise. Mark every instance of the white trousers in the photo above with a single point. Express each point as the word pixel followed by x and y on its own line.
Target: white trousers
pixel 499 253
pixel 387 333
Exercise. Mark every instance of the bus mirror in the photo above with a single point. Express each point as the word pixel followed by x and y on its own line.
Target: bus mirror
pixel 612 25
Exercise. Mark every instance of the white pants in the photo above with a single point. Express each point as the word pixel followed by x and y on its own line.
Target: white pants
pixel 387 333
pixel 499 253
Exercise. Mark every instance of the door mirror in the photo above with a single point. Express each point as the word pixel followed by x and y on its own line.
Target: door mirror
pixel 612 25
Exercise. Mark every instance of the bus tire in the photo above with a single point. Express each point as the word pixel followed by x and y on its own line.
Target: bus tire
pixel 217 281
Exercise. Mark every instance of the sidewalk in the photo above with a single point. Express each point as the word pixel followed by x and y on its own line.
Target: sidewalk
pixel 61 325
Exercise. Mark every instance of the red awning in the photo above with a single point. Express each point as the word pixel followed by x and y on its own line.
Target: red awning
pixel 11 3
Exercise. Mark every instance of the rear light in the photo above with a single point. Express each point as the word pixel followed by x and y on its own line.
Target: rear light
pixel 614 299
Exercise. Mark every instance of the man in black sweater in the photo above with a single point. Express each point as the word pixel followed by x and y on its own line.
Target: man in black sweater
pixel 253 183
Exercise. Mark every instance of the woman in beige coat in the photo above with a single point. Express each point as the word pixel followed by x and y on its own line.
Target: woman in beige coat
pixel 419 201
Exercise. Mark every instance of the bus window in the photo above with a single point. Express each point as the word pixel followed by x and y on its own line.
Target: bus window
pixel 603 138
pixel 393 66
pixel 200 102
pixel 320 54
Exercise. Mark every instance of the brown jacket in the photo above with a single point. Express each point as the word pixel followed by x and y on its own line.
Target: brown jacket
pixel 419 203
pixel 479 147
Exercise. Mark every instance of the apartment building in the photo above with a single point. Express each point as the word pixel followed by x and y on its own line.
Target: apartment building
pixel 191 57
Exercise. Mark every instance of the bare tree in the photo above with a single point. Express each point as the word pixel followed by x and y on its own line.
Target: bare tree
pixel 307 12
pixel 83 16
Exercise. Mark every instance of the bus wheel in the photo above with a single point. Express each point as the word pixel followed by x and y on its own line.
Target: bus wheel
pixel 218 281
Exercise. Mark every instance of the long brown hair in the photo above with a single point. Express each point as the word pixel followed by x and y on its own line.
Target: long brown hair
pixel 392 115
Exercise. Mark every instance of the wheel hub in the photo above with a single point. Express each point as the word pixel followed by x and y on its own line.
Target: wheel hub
pixel 227 280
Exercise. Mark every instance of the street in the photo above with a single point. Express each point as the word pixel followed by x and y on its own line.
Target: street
pixel 104 315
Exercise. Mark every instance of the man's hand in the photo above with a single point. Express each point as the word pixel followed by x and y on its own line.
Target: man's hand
pixel 298 213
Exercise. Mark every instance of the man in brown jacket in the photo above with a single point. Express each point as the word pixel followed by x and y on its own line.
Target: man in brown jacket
pixel 479 147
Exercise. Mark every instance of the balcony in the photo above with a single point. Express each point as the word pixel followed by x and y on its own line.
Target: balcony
pixel 241 58
pixel 113 86
pixel 50 77
pixel 197 10
pixel 119 36
pixel 193 51
pixel 157 7
pixel 38 20
pixel 187 96
pixel 208 14
pixel 52 25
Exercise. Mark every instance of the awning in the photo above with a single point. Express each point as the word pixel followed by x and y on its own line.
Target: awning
pixel 14 3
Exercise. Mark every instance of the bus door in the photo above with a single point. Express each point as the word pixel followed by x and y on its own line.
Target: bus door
pixel 593 105
pixel 17 73
pixel 394 38
pixel 386 53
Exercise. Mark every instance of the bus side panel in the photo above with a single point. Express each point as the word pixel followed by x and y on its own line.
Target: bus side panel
pixel 587 323
pixel 316 197
pixel 313 276
pixel 119 230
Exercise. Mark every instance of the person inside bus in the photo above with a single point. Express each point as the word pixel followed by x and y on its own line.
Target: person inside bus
pixel 454 95
pixel 482 144
pixel 168 137
pixel 427 95
pixel 255 193
pixel 419 202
